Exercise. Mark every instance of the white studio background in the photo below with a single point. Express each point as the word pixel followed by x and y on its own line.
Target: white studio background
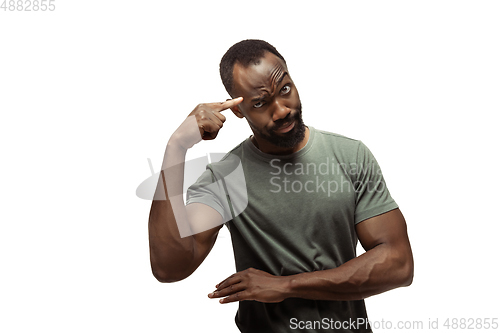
pixel 90 91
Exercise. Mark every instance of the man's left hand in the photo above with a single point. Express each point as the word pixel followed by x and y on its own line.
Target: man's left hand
pixel 252 284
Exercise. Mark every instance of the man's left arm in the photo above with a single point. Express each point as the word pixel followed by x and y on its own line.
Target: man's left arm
pixel 386 264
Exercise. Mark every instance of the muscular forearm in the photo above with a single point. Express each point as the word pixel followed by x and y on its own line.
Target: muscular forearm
pixel 387 264
pixel 380 269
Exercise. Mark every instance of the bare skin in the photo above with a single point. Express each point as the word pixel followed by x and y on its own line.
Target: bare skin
pixel 386 264
pixel 269 96
pixel 269 99
pixel 174 258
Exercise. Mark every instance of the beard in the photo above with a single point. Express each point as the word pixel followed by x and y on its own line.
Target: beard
pixel 289 139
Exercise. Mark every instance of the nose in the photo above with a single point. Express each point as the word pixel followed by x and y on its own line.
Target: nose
pixel 280 110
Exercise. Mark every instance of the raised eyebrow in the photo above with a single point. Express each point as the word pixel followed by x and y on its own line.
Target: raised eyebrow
pixel 281 78
pixel 260 98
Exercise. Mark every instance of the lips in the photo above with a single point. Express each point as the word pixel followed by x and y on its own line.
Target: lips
pixel 286 128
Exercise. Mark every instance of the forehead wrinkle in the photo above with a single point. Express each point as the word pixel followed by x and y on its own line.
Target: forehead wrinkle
pixel 277 70
pixel 259 80
pixel 274 74
pixel 277 75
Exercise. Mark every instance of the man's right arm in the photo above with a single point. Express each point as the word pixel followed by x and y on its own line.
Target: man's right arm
pixel 173 257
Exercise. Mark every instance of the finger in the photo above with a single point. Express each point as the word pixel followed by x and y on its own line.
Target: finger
pixel 233 279
pixel 206 116
pixel 209 131
pixel 220 116
pixel 227 104
pixel 220 283
pixel 229 290
pixel 209 125
pixel 240 296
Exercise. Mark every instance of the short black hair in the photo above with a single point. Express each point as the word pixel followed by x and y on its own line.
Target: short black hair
pixel 244 52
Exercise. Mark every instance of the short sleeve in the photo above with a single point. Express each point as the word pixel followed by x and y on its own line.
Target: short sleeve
pixel 208 191
pixel 221 186
pixel 372 195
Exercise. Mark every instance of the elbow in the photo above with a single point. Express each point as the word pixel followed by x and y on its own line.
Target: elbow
pixel 406 275
pixel 409 276
pixel 165 276
pixel 406 278
pixel 171 269
pixel 399 272
pixel 168 272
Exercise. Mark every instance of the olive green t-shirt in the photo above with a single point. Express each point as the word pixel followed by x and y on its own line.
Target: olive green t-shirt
pixel 293 214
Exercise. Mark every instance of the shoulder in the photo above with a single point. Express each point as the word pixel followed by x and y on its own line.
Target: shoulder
pixel 228 157
pixel 337 138
pixel 223 164
pixel 341 146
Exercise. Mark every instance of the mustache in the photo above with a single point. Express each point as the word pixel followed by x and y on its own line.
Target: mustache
pixel 279 123
pixel 288 119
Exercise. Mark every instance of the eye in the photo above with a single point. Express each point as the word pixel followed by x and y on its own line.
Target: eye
pixel 285 90
pixel 258 104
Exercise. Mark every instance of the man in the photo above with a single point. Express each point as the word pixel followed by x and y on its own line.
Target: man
pixel 311 194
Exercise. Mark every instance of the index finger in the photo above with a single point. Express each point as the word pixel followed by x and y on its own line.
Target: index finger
pixel 228 104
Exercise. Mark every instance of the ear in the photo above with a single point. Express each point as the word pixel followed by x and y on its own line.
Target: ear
pixel 237 112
